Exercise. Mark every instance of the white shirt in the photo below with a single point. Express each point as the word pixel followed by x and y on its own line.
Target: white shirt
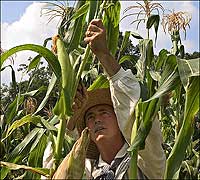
pixel 125 92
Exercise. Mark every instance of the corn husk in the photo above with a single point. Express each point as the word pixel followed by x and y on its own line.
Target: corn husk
pixel 73 165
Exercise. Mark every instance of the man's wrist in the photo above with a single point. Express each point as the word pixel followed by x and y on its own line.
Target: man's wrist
pixel 109 63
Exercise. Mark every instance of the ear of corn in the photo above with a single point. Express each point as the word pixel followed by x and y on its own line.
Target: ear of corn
pixel 72 167
pixel 63 106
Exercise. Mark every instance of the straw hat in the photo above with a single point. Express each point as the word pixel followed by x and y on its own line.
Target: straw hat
pixel 95 97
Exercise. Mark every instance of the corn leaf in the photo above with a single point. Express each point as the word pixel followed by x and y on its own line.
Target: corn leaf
pixel 125 41
pixel 34 92
pixel 184 137
pixel 34 62
pixel 187 69
pixel 133 59
pixel 21 122
pixel 93 9
pixel 161 59
pixel 49 125
pixel 74 32
pixel 136 35
pixel 13 108
pixel 41 171
pixel 23 146
pixel 81 11
pixel 100 82
pixel 111 23
pixel 14 83
pixel 20 151
pixel 148 112
pixel 169 78
pixel 44 52
pixel 37 139
pixel 36 156
pixel 49 90
pixel 146 58
pixel 152 20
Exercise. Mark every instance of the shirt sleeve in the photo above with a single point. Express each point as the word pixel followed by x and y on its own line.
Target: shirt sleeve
pixel 125 92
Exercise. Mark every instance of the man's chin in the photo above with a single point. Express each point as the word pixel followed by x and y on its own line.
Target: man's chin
pixel 99 137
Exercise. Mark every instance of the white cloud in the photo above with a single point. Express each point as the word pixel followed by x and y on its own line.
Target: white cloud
pixel 30 28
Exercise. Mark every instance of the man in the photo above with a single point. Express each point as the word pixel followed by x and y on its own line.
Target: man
pixel 106 112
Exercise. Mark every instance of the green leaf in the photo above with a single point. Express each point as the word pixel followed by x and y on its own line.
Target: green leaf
pixel 44 52
pixel 130 58
pixel 20 151
pixel 41 171
pixel 136 35
pixel 49 90
pixel 185 134
pixel 111 23
pixel 182 51
pixel 75 33
pixel 36 157
pixel 49 126
pixel 169 78
pixel 148 112
pixel 21 122
pixel 161 59
pixel 156 25
pixel 146 58
pixel 93 9
pixel 152 20
pixel 14 83
pixel 13 108
pixel 155 75
pixel 187 69
pixel 32 93
pixel 100 82
pixel 81 11
pixel 37 140
pixel 124 42
pixel 23 146
pixel 34 62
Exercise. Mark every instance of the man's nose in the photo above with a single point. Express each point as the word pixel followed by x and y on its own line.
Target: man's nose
pixel 98 119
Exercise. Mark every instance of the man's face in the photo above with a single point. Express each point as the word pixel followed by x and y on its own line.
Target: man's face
pixel 102 122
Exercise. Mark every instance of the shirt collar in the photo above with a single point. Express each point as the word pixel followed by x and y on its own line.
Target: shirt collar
pixel 120 154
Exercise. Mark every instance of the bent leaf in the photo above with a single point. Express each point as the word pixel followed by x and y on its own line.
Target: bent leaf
pixel 44 52
pixel 41 171
pixel 187 69
pixel 136 35
pixel 21 122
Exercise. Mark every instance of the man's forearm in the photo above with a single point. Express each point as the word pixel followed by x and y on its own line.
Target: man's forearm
pixel 109 63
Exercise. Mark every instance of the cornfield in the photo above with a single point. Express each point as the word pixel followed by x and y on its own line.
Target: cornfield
pixel 169 83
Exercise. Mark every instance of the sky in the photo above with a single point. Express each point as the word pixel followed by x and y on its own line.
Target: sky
pixel 21 23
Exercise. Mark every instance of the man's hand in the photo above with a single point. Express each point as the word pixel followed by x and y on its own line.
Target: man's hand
pixel 80 101
pixel 96 37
